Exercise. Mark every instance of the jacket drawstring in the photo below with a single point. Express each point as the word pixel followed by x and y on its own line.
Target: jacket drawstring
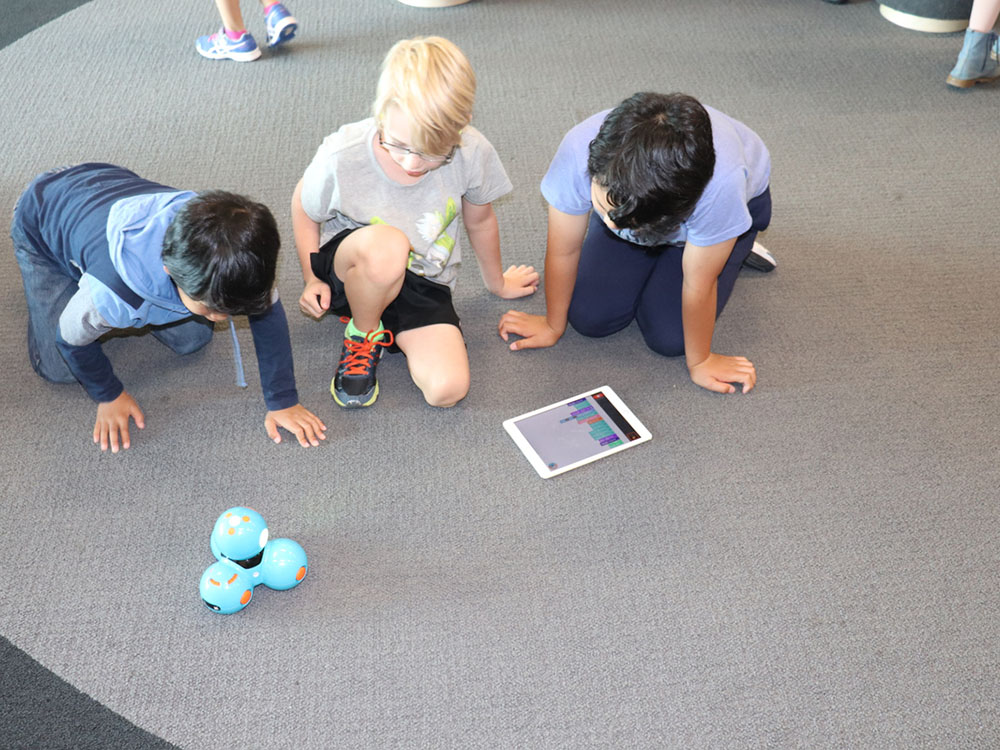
pixel 241 380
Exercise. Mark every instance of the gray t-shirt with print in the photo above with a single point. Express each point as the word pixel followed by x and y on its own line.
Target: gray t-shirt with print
pixel 344 188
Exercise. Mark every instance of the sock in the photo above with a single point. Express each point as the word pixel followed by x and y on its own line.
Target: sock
pixel 353 331
pixel 234 35
pixel 267 9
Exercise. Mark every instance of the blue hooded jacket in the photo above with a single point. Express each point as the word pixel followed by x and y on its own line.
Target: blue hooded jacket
pixel 104 226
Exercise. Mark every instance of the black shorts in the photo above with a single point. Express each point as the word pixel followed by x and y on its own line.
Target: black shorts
pixel 420 302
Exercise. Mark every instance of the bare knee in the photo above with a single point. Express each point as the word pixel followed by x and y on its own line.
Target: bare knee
pixel 444 389
pixel 438 362
pixel 382 254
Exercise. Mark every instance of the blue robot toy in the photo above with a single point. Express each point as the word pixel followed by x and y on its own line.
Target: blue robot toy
pixel 246 558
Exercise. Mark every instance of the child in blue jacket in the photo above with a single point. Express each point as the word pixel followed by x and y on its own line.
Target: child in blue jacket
pixel 101 249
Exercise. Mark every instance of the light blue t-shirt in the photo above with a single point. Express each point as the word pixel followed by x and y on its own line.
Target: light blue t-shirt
pixel 742 172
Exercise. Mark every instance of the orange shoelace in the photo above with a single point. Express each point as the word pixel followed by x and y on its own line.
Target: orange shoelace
pixel 360 354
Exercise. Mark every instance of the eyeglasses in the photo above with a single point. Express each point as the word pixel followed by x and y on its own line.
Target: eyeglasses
pixel 399 150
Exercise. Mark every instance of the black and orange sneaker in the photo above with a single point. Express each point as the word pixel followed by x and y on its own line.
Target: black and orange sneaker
pixel 354 385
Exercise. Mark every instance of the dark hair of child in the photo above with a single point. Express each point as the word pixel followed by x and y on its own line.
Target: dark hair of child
pixel 221 249
pixel 654 155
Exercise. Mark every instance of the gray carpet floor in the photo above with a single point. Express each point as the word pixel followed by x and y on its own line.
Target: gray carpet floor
pixel 814 564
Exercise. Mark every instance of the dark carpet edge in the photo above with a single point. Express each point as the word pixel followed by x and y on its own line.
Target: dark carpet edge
pixel 39 710
pixel 24 16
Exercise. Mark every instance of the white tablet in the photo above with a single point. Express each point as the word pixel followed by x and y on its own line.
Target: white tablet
pixel 576 431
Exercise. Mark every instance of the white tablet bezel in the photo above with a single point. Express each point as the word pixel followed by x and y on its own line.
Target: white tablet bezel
pixel 510 425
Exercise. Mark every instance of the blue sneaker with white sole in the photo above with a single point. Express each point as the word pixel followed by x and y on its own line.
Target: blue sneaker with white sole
pixel 219 46
pixel 281 25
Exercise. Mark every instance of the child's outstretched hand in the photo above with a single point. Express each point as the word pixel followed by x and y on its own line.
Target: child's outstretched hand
pixel 719 372
pixel 519 281
pixel 315 299
pixel 298 420
pixel 112 421
pixel 534 330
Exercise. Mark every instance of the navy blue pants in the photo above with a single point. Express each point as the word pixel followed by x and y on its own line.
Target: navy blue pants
pixel 618 282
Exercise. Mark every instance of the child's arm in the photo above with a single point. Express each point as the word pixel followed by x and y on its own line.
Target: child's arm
pixel 315 299
pixel 716 372
pixel 562 257
pixel 80 327
pixel 484 234
pixel 277 378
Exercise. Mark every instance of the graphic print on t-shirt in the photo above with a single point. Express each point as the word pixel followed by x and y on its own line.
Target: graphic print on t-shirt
pixel 432 227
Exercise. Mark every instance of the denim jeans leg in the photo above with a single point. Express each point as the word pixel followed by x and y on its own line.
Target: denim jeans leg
pixel 47 290
pixel 185 336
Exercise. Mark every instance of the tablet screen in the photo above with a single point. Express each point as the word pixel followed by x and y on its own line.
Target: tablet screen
pixel 578 430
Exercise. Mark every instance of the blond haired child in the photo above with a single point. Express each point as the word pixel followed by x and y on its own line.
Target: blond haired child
pixel 376 224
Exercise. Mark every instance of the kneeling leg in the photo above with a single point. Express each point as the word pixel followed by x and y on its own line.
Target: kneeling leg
pixel 438 362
